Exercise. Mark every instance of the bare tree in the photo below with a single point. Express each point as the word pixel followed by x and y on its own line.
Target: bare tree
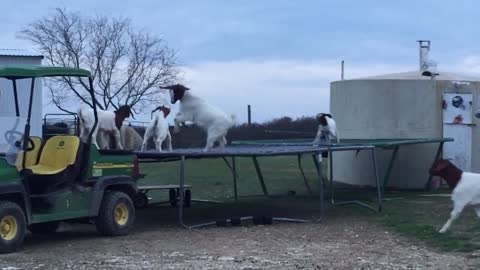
pixel 127 64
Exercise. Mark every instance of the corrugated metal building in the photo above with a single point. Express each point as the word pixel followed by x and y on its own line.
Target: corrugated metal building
pixel 7 105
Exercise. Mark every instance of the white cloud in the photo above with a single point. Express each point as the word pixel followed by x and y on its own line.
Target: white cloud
pixel 274 88
pixel 277 88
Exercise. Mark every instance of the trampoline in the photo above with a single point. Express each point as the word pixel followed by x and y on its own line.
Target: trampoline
pixel 298 148
pixel 253 151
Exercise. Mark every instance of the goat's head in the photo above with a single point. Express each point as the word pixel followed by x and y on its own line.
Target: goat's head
pixel 176 91
pixel 123 112
pixel 322 118
pixel 162 108
pixel 446 170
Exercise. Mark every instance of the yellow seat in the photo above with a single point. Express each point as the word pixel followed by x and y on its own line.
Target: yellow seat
pixel 58 153
pixel 31 156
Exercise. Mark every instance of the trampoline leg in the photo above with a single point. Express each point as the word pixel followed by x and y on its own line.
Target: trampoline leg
pixel 437 156
pixel 260 176
pixel 182 190
pixel 234 172
pixel 320 183
pixel 330 176
pixel 377 180
pixel 389 169
pixel 305 180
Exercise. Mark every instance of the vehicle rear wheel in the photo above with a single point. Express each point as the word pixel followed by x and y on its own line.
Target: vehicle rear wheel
pixel 116 215
pixel 12 226
pixel 44 228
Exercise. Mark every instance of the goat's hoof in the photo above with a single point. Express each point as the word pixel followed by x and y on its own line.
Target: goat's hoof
pixel 442 231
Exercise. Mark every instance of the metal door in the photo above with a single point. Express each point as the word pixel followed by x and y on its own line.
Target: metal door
pixel 457 124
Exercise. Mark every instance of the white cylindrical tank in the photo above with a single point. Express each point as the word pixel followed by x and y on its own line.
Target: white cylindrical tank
pixel 394 106
pixel 7 103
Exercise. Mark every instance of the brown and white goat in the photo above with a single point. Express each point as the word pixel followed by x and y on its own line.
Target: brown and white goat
pixel 108 123
pixel 326 128
pixel 465 186
pixel 158 129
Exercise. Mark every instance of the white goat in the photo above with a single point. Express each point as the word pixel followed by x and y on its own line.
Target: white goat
pixel 158 129
pixel 326 127
pixel 108 123
pixel 465 186
pixel 214 121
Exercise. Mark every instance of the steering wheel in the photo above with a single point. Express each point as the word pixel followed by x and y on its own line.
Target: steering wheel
pixel 30 142
pixel 10 138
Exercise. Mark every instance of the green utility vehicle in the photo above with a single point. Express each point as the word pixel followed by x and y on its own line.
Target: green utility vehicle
pixel 62 178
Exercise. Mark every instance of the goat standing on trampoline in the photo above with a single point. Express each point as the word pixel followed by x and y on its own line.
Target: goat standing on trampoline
pixel 327 128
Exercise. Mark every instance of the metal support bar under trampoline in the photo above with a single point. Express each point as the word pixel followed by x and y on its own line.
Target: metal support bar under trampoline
pixel 254 152
pixel 377 183
pixel 233 168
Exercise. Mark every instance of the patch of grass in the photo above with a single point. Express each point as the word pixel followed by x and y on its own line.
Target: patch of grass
pixel 422 217
pixel 212 179
pixel 412 216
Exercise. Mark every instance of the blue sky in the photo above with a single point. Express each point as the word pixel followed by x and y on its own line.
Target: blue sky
pixel 280 55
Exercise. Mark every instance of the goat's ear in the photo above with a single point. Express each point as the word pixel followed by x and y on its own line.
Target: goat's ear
pixel 168 87
pixel 439 166
pixel 130 111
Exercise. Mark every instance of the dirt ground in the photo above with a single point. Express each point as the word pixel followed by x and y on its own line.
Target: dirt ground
pixel 338 242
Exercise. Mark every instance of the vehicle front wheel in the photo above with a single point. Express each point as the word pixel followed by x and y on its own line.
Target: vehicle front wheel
pixel 12 226
pixel 117 214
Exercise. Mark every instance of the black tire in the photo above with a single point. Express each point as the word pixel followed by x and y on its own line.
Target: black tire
pixel 187 200
pixel 235 221
pixel 267 220
pixel 141 200
pixel 116 215
pixel 172 196
pixel 44 228
pixel 11 214
pixel 221 223
pixel 257 220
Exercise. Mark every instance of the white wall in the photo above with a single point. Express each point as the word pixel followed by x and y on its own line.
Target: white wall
pixel 388 109
pixel 7 101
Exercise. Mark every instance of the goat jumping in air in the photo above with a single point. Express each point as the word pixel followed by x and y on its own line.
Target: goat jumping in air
pixel 192 108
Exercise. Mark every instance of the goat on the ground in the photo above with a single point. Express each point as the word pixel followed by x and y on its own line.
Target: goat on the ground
pixel 465 186
pixel 108 123
pixel 327 128
pixel 214 121
pixel 158 129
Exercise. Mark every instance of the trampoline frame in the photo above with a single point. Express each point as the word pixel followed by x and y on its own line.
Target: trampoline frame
pixel 255 152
